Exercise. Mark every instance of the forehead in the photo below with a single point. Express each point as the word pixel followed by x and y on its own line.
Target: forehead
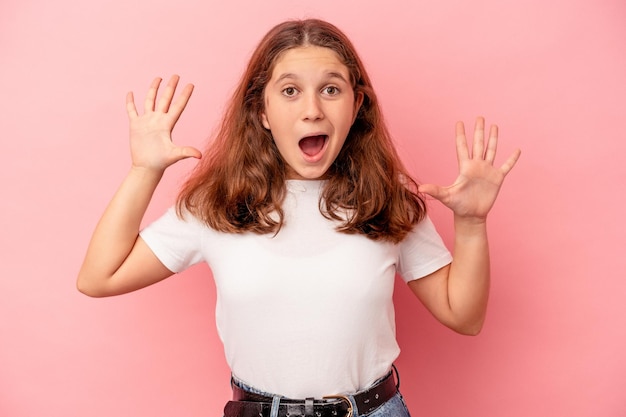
pixel 305 59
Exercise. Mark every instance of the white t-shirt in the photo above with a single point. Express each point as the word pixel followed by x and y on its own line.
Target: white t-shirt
pixel 307 312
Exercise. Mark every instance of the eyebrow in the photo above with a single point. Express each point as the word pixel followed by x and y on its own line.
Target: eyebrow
pixel 328 75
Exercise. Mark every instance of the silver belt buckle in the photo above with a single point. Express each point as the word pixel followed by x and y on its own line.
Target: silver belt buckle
pixel 344 398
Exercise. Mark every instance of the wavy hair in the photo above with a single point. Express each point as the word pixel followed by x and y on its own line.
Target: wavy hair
pixel 239 185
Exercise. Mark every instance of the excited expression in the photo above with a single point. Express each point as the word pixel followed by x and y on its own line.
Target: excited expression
pixel 310 106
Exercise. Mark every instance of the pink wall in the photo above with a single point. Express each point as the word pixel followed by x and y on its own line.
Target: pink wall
pixel 552 74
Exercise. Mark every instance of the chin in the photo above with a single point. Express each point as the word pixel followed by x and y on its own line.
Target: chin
pixel 306 175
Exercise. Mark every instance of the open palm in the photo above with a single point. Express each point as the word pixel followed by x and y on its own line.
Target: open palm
pixel 475 190
pixel 151 132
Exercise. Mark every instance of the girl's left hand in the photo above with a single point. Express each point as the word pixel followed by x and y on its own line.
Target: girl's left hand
pixel 475 190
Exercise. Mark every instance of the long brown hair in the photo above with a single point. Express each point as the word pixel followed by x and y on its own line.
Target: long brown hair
pixel 239 185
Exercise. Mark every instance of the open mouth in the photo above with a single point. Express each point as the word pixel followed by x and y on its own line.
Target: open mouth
pixel 312 145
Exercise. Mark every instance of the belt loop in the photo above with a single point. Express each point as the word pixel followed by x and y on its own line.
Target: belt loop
pixel 393 368
pixel 275 404
pixel 354 409
pixel 309 411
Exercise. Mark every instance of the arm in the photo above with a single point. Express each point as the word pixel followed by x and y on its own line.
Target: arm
pixel 457 294
pixel 117 260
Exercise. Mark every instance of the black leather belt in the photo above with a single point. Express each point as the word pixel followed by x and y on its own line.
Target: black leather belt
pixel 249 404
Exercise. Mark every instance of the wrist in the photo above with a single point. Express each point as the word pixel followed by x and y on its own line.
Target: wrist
pixel 470 225
pixel 146 174
pixel 147 171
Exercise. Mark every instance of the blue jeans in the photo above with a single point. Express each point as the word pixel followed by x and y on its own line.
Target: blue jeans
pixel 395 407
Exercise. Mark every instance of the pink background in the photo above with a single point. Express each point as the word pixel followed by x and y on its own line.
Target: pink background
pixel 552 74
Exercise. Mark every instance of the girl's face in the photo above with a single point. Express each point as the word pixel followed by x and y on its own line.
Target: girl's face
pixel 309 108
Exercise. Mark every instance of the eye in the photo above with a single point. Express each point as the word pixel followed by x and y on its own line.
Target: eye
pixel 290 91
pixel 331 90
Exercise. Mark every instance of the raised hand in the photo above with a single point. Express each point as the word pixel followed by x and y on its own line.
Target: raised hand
pixel 475 190
pixel 151 133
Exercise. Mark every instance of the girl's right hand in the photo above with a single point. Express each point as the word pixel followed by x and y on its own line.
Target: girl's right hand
pixel 151 133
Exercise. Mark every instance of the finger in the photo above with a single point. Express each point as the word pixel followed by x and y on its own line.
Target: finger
pixel 492 144
pixel 510 163
pixel 181 102
pixel 130 105
pixel 151 96
pixel 462 151
pixel 478 147
pixel 190 152
pixel 432 190
pixel 166 98
pixel 183 152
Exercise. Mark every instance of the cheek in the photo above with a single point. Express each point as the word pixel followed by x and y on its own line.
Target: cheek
pixel 349 112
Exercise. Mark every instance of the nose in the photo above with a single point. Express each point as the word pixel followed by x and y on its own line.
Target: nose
pixel 312 108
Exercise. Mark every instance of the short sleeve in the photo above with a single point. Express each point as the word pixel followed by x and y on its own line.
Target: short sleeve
pixel 176 242
pixel 422 252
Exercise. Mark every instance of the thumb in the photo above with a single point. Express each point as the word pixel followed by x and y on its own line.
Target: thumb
pixel 432 190
pixel 183 152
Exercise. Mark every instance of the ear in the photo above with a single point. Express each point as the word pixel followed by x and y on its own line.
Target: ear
pixel 358 101
pixel 266 123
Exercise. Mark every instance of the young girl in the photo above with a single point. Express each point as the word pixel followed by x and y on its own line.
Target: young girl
pixel 304 212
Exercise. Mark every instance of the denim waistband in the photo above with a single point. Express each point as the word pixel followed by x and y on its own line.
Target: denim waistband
pixel 356 400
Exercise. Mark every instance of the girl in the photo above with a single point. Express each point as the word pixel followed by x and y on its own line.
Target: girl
pixel 304 213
